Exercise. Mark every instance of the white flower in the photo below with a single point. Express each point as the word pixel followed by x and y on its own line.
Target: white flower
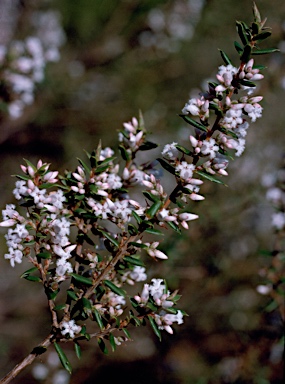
pixel 185 170
pixel 210 148
pixel 254 111
pixel 138 274
pixel 170 151
pixel 15 256
pixel 70 328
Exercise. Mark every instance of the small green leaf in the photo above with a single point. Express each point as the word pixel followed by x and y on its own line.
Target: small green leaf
pixel 51 294
pixel 243 32
pixel 151 306
pixel 154 326
pixel 46 185
pixel 124 153
pixel 238 47
pixel 147 145
pixel 150 196
pixel 72 295
pixel 22 177
pixel 62 357
pixel 102 346
pixel 166 166
pixel 262 36
pixel 110 238
pixel 153 209
pixel 256 13
pixel 29 243
pixel 44 255
pixel 265 51
pixel 184 150
pixel 228 132
pixel 31 165
pixel 245 56
pixel 174 227
pixel 134 261
pixel 106 161
pixel 112 342
pixel 81 279
pixel 132 229
pixel 247 83
pixel 153 231
pixel 225 57
pixel 84 166
pixel 138 245
pixel 98 318
pixel 77 350
pixel 137 217
pixel 114 288
pixel 208 176
pixel 255 28
pixel 27 272
pixel 126 332
pixel 193 122
pixel 217 109
pixel 33 278
pixel 86 303
pixel 59 307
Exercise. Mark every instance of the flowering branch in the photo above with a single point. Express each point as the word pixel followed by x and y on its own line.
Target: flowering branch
pixel 85 229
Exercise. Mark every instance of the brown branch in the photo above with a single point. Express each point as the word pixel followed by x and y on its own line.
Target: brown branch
pixel 27 360
pixel 120 254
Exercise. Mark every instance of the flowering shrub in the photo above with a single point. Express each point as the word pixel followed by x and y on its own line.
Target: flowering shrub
pixel 23 62
pixel 91 229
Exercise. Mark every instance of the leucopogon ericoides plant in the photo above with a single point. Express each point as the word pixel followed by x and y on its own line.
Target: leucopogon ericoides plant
pixel 85 228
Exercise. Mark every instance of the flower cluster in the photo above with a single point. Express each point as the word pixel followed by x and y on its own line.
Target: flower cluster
pixel 23 62
pixel 86 229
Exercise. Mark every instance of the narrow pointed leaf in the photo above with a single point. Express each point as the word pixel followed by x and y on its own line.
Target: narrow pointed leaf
pixel 184 150
pixel 152 211
pixel 242 32
pixel 102 346
pixel 112 342
pixel 27 272
pixel 85 166
pixel 153 231
pixel 81 279
pixel 134 261
pixel 126 332
pixel 62 357
pixel 210 177
pixel 137 217
pixel 147 145
pixel 238 47
pixel 265 51
pixel 114 288
pixel 194 123
pixel 72 295
pixel 110 238
pixel 225 57
pixel 98 318
pixel 256 13
pixel 154 327
pixel 77 350
pixel 44 255
pixel 245 56
pixel 262 36
pixel 166 166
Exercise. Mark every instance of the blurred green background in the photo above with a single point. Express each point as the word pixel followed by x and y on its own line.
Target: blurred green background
pixel 119 57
